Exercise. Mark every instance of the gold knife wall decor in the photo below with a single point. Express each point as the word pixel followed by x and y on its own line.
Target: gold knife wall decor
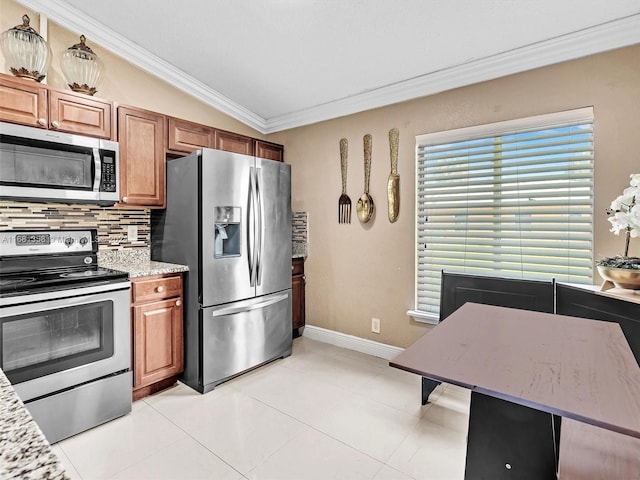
pixel 393 186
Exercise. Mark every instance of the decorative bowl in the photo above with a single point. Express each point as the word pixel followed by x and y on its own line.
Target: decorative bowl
pixel 621 277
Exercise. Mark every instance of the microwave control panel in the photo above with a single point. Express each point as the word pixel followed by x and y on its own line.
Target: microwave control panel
pixel 108 179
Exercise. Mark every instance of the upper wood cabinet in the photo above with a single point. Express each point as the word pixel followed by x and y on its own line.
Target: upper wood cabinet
pixel 187 136
pixel 233 142
pixel 30 103
pixel 23 102
pixel 270 151
pixel 77 113
pixel 143 174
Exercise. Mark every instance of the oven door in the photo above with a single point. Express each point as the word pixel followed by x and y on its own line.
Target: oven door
pixel 71 337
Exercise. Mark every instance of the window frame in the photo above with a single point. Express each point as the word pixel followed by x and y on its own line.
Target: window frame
pixel 503 128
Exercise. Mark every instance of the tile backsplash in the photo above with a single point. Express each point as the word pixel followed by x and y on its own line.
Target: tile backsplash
pixel 112 223
pixel 299 223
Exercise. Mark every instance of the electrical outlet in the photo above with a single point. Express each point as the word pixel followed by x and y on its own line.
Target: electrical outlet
pixel 375 325
pixel 132 233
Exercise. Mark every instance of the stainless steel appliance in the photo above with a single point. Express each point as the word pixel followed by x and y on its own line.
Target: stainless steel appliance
pixel 228 218
pixel 38 164
pixel 65 335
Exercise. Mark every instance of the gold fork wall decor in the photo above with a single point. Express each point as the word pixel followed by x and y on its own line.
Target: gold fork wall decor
pixel 344 202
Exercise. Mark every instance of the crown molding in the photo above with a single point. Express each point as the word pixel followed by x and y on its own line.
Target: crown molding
pixel 76 21
pixel 616 34
pixel 608 36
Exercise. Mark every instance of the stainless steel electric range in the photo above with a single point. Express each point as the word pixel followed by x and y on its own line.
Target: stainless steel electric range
pixel 65 338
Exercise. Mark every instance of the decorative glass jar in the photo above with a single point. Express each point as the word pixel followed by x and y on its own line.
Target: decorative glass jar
pixel 27 54
pixel 82 68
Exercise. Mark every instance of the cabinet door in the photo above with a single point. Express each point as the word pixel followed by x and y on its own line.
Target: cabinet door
pixel 270 151
pixel 24 103
pixel 297 295
pixel 142 158
pixel 157 341
pixel 232 142
pixel 187 136
pixel 76 113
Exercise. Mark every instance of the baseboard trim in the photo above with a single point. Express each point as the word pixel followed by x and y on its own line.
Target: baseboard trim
pixel 351 342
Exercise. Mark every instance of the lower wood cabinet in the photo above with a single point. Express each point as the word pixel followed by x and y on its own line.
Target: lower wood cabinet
pixel 157 333
pixel 298 281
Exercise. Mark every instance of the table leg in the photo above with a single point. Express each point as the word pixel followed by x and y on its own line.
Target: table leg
pixel 428 386
pixel 509 441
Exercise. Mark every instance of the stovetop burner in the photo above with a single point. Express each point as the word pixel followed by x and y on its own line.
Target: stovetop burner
pixel 7 282
pixel 85 274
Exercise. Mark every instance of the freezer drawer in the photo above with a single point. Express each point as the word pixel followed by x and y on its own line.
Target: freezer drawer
pixel 241 335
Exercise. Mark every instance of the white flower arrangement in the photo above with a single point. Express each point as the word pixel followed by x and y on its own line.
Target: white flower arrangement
pixel 624 216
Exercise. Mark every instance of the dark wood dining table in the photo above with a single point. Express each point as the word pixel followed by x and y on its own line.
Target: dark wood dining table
pixel 549 393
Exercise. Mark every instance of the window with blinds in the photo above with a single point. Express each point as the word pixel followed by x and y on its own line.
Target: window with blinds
pixel 512 199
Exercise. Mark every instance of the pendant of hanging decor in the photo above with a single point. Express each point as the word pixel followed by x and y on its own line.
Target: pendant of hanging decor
pixel 82 68
pixel 26 53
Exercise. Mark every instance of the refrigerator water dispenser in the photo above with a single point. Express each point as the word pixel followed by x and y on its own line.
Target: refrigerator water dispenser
pixel 227 232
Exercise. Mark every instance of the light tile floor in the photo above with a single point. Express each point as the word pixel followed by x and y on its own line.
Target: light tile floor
pixel 322 413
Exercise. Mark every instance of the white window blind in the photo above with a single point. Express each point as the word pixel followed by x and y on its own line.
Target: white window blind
pixel 512 199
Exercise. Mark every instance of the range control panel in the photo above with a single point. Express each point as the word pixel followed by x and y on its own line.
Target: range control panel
pixel 36 242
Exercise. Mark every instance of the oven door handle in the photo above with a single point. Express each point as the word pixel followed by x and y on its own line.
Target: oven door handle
pixel 29 298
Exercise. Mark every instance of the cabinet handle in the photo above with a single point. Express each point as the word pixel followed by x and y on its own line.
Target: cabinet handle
pixel 292 268
pixel 55 124
pixel 160 289
pixel 42 122
pixel 178 303
pixel 125 199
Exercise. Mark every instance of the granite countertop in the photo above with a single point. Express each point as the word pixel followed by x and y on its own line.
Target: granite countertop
pixel 299 249
pixel 137 262
pixel 25 453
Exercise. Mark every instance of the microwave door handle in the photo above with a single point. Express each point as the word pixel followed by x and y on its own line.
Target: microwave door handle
pixel 97 163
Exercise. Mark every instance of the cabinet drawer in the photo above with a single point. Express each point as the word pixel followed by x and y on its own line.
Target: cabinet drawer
pixel 157 288
pixel 297 266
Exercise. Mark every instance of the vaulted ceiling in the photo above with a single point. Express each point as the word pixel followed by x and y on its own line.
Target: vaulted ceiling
pixel 278 64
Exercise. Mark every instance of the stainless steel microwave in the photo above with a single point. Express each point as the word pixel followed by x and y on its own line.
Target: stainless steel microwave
pixel 45 166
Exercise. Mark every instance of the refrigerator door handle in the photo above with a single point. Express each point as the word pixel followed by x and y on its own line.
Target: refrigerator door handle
pixel 259 236
pixel 251 227
pixel 233 310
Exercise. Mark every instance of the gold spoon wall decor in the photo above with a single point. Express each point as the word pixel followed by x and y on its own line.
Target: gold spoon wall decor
pixel 365 202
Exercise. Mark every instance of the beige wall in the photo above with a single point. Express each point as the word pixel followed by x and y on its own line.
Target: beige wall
pixel 355 272
pixel 122 82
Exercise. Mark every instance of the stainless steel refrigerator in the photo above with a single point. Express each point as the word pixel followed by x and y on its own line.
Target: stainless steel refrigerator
pixel 228 217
